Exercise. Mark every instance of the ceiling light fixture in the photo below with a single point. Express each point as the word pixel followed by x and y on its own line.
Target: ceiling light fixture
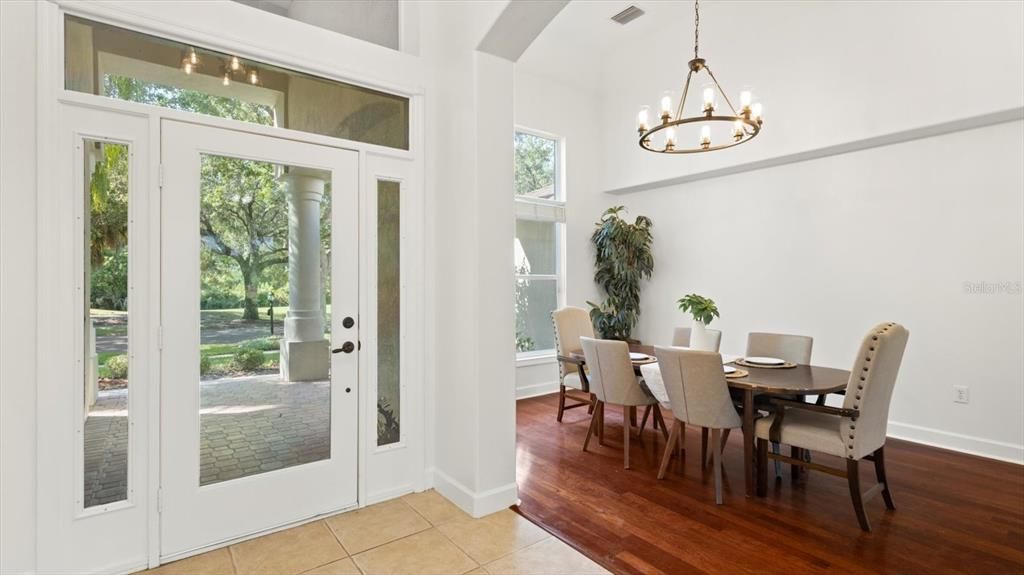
pixel 745 125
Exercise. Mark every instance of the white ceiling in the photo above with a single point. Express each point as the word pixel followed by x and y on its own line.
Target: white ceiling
pixel 371 20
pixel 572 46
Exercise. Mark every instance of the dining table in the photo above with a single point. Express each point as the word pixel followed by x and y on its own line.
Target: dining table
pixel 798 380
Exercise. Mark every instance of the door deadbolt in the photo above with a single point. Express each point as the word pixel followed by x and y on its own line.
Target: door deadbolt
pixel 348 322
pixel 347 347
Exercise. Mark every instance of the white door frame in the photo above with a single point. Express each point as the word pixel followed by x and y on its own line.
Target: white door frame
pixel 291 45
pixel 66 531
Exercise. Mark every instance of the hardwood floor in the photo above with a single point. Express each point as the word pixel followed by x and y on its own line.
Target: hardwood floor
pixel 954 513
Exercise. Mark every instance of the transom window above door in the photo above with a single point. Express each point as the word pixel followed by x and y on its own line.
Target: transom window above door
pixel 118 63
pixel 540 231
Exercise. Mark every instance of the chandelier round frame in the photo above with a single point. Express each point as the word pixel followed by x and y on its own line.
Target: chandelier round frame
pixel 746 125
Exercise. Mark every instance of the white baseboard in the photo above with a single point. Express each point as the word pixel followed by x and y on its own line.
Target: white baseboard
pixel 476 504
pixel 957 442
pixel 536 389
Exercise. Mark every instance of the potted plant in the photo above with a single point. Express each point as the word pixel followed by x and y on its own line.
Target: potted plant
pixel 703 310
pixel 622 259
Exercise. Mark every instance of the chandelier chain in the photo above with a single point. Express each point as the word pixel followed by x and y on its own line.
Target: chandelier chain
pixel 696 28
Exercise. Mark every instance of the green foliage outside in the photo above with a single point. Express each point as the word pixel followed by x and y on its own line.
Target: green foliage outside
pixel 248 359
pixel 534 163
pixel 117 367
pixel 701 308
pixel 622 258
pixel 108 228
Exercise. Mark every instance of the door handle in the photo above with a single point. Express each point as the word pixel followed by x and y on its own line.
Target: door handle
pixel 347 347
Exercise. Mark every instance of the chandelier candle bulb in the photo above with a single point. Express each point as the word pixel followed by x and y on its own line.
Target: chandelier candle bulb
pixel 709 99
pixel 756 112
pixel 666 106
pixel 670 138
pixel 737 130
pixel 187 67
pixel 193 58
pixel 745 100
pixel 705 137
pixel 235 64
pixel 254 77
pixel 227 79
pixel 641 118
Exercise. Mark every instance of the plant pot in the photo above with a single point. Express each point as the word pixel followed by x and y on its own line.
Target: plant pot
pixel 699 337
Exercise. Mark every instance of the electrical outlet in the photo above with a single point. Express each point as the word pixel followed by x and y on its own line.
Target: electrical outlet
pixel 961 394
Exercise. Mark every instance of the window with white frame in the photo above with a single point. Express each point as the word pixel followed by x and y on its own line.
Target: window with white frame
pixel 540 223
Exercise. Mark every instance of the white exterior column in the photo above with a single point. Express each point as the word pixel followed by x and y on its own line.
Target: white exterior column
pixel 304 350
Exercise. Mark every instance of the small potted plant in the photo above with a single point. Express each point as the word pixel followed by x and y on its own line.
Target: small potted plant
pixel 703 311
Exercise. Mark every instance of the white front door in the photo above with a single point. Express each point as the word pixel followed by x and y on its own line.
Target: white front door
pixel 258 416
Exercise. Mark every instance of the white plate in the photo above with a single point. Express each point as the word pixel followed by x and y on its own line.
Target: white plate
pixel 729 369
pixel 765 360
pixel 638 356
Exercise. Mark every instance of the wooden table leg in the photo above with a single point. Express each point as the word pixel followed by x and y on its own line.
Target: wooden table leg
pixel 748 440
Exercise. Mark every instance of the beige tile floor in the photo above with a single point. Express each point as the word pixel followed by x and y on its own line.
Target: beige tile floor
pixel 419 534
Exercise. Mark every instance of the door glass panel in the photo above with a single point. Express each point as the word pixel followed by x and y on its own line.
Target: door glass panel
pixel 264 357
pixel 388 312
pixel 105 430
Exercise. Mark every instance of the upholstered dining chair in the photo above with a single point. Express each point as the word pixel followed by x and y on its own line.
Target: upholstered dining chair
pixel 787 347
pixel 853 432
pixel 793 348
pixel 571 323
pixel 699 395
pixel 681 338
pixel 613 382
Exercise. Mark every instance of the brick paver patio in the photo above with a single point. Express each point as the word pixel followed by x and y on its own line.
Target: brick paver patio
pixel 249 425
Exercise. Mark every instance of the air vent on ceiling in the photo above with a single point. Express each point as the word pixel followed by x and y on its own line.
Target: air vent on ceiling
pixel 628 15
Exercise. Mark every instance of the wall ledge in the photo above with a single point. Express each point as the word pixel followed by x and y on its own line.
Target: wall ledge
pixel 980 121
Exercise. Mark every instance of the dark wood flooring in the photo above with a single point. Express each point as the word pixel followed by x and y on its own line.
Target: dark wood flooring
pixel 954 513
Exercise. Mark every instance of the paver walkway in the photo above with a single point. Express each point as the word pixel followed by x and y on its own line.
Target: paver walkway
pixel 248 425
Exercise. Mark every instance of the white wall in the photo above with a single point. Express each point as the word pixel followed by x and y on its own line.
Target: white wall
pixel 550 105
pixel 831 247
pixel 839 243
pixel 17 287
pixel 469 179
pixel 826 72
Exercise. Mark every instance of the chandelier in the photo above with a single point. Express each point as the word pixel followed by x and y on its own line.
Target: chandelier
pixel 745 124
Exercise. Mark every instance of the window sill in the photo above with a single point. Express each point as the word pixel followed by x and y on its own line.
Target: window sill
pixel 542 358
